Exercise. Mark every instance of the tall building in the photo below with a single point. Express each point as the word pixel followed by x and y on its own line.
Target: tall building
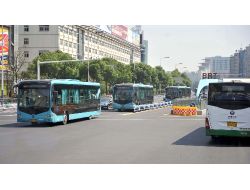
pixel 240 63
pixel 234 64
pixel 144 52
pixel 144 49
pixel 246 61
pixel 217 64
pixel 81 41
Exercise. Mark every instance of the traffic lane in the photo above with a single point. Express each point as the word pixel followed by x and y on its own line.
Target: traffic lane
pixel 98 141
pixel 95 141
pixel 150 137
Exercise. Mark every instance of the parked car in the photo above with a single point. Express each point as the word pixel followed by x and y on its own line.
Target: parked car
pixel 105 103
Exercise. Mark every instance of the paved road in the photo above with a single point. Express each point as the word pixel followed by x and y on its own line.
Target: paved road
pixel 118 137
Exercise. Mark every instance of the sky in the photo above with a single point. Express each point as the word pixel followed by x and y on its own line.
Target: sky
pixel 189 44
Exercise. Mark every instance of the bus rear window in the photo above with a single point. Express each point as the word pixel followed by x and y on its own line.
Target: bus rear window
pixel 229 95
pixel 233 88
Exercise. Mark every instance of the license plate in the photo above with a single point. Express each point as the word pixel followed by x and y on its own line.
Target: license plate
pixel 33 120
pixel 231 124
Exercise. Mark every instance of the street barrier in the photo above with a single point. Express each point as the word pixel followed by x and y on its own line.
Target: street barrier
pixel 184 110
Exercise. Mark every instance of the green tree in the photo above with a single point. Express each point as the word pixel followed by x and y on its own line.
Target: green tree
pixel 53 70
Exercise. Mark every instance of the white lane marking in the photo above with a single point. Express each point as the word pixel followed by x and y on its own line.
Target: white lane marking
pixel 127 113
pixel 141 119
pixel 7 115
pixel 165 114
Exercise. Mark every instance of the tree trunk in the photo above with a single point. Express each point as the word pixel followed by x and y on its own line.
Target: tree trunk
pixel 106 84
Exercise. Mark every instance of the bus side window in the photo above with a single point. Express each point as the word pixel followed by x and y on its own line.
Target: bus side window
pixel 55 97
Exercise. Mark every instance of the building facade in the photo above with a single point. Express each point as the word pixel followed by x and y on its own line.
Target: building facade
pixel 246 61
pixel 80 41
pixel 144 52
pixel 217 64
pixel 240 62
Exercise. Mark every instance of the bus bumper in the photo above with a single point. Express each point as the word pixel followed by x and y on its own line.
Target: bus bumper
pixel 38 118
pixel 228 133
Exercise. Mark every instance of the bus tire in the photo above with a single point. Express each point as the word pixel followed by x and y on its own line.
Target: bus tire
pixel 214 138
pixel 33 123
pixel 65 118
pixel 90 117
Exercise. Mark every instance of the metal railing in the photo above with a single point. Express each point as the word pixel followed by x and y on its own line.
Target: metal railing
pixel 8 103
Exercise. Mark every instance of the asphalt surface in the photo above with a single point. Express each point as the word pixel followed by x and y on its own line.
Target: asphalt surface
pixel 149 137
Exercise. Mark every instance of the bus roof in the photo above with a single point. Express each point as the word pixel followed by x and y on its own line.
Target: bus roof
pixel 205 82
pixel 177 87
pixel 134 85
pixel 63 81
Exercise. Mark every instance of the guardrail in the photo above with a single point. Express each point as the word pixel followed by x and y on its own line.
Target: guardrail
pixel 8 103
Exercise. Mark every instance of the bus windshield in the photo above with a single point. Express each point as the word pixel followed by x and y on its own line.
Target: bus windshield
pixel 123 94
pixel 33 100
pixel 229 95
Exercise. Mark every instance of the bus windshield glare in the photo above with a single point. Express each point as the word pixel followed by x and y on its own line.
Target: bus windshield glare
pixel 33 100
pixel 229 95
pixel 123 94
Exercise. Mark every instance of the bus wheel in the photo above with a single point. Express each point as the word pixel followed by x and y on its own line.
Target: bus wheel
pixel 65 118
pixel 90 117
pixel 214 138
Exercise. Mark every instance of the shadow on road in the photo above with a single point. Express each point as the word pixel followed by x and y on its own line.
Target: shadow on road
pixel 198 138
pixel 23 125
pixel 109 110
pixel 39 125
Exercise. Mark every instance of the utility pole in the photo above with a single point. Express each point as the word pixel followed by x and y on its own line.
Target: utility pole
pixel 88 70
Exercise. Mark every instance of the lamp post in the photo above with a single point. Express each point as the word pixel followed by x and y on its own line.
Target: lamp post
pixel 47 62
pixel 163 58
pixel 160 66
pixel 184 68
pixel 88 70
pixel 177 65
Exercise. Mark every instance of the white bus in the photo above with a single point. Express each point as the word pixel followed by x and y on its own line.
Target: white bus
pixel 228 108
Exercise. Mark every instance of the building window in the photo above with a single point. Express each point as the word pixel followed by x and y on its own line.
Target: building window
pixel 65 43
pixel 61 41
pixel 26 54
pixel 70 44
pixel 86 49
pixel 43 51
pixel 66 31
pixel 26 28
pixel 43 28
pixel 70 32
pixel 75 45
pixel 26 41
pixel 61 28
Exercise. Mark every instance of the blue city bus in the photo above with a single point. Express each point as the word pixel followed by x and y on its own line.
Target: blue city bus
pixel 134 97
pixel 57 100
pixel 173 92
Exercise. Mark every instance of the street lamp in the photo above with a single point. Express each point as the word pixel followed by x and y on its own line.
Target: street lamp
pixel 177 64
pixel 163 58
pixel 160 66
pixel 47 62
pixel 184 69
